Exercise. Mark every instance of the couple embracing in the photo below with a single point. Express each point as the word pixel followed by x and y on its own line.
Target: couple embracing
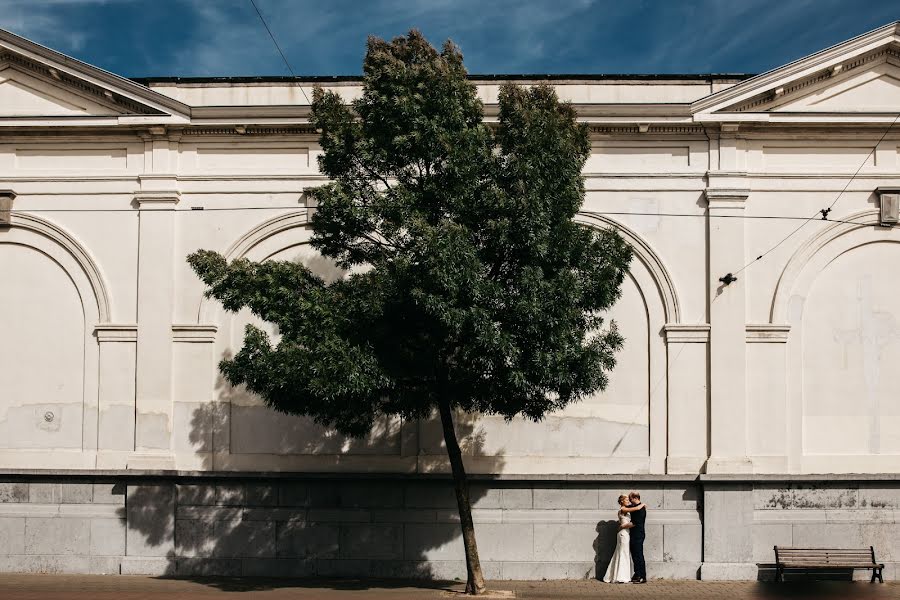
pixel 629 542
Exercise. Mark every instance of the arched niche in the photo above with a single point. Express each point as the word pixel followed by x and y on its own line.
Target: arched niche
pixel 839 295
pixel 258 436
pixel 52 297
pixel 622 429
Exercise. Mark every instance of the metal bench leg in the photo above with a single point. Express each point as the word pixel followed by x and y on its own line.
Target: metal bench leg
pixel 880 576
pixel 779 574
pixel 874 575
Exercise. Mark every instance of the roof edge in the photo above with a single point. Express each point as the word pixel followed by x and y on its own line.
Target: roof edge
pixel 704 77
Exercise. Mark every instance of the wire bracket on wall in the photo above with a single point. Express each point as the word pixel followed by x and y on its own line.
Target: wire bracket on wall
pixel 728 279
pixel 825 212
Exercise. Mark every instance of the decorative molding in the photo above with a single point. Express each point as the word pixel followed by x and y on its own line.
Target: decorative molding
pixel 70 244
pixel 826 74
pixel 809 249
pixel 767 333
pixel 193 333
pixel 651 260
pixel 725 197
pixel 230 131
pixel 6 204
pixel 96 93
pixel 685 333
pixel 109 332
pixel 160 200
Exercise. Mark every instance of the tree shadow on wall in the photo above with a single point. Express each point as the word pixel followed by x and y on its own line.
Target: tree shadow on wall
pixel 330 530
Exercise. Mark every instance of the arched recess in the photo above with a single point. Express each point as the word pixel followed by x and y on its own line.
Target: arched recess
pixel 838 297
pixel 252 436
pixel 60 299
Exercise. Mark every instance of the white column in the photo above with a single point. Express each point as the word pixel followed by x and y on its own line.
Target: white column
pixel 115 435
pixel 156 293
pixel 727 345
pixel 688 439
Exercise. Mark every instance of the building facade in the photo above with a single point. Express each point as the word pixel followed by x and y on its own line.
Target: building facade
pixel 754 403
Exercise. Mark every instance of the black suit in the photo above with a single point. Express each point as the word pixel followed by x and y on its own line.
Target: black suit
pixel 636 543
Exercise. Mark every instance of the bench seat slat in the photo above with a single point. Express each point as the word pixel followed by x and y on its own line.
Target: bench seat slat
pixel 827 558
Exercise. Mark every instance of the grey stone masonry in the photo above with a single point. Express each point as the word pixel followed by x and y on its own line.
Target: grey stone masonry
pixel 281 525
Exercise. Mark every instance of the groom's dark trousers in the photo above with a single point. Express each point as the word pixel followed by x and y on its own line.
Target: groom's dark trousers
pixel 636 543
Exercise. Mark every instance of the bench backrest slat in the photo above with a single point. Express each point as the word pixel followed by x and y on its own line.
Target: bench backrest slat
pixel 808 557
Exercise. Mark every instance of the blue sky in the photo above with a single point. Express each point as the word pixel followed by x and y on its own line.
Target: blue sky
pixel 140 38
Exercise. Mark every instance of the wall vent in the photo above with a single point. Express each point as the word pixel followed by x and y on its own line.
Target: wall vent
pixel 890 206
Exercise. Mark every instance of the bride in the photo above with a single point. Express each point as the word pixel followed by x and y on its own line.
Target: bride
pixel 619 570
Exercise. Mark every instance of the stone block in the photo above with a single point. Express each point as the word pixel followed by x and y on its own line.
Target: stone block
pixel 816 496
pixel 727 571
pixel 278 567
pixel 44 493
pixel 293 494
pixel 77 493
pixel 871 495
pixel 230 495
pixel 404 569
pixel 194 538
pixel 399 515
pixel 150 514
pixel 673 570
pixel 651 495
pixel 291 515
pixel 208 513
pixel 307 540
pixel 147 566
pixel 261 495
pixel 484 496
pixel 588 516
pixel 768 535
pixel 581 570
pixel 516 498
pixel 246 539
pixel 566 497
pixel 682 543
pixel 195 495
pixel 828 535
pixel 439 541
pixel 371 541
pixel 59 564
pixel 207 567
pixel 767 497
pixel 370 494
pixel 653 544
pixel 343 568
pixel 13 492
pixel 326 515
pixel 728 512
pixel 70 536
pixel 535 516
pixel 107 537
pixel 12 535
pixel 554 542
pixel 505 542
pixel 884 537
pixel 429 495
pixel 109 493
pixel 681 497
pixel 324 494
pixel 534 571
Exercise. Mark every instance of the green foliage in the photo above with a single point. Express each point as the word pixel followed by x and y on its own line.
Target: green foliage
pixel 470 282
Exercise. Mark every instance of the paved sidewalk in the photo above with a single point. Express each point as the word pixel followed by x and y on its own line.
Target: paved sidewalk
pixel 120 587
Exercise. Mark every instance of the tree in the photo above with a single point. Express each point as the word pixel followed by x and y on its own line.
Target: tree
pixel 471 288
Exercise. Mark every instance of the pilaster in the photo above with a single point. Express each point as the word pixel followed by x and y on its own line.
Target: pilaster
pixel 115 435
pixel 156 292
pixel 727 319
pixel 687 349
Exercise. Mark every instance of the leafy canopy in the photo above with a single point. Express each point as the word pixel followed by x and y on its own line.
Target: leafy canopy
pixel 470 282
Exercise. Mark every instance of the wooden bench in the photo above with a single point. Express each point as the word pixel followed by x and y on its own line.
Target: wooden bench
pixel 809 559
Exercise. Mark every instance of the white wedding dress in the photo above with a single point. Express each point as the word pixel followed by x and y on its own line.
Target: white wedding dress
pixel 619 570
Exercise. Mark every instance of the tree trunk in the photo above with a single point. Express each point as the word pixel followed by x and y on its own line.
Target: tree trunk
pixel 475 579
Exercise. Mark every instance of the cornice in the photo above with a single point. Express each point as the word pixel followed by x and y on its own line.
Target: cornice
pixel 801 68
pixel 108 332
pixel 682 333
pixel 194 333
pixel 767 333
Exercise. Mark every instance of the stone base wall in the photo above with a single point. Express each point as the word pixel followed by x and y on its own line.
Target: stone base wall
pixel 404 527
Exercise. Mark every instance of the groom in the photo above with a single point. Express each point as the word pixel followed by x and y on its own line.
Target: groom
pixel 636 543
